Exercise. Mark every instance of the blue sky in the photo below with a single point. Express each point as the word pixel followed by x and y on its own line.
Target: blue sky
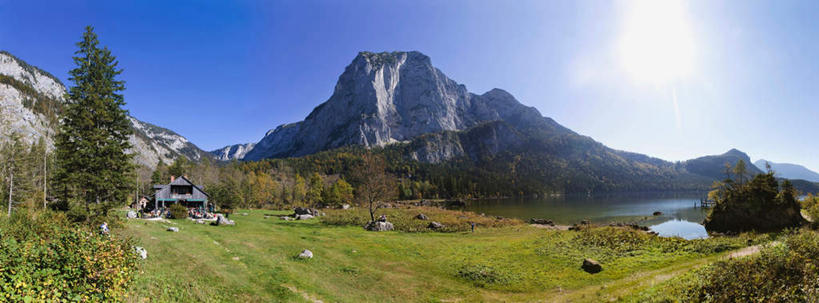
pixel 743 73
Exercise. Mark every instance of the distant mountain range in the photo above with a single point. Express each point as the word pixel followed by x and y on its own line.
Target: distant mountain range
pixel 30 99
pixel 401 103
pixel 789 171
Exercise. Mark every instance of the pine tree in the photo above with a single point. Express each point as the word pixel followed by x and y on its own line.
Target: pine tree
pixel 94 167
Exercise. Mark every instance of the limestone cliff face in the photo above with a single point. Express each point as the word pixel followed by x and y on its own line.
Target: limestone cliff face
pixel 21 115
pixel 17 114
pixel 383 98
pixel 233 152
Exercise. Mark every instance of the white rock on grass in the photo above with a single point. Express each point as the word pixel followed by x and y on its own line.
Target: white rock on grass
pixel 303 217
pixel 173 229
pixel 306 254
pixel 141 252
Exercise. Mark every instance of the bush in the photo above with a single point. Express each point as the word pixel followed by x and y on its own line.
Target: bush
pixel 178 211
pixel 44 258
pixel 784 271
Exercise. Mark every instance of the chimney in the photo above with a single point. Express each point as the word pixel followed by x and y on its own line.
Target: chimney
pixel 172 178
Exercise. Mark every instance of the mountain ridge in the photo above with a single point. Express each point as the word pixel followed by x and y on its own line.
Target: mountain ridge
pixel 384 98
pixel 789 170
pixel 32 97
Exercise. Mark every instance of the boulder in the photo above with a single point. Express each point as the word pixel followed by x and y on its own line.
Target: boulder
pixel 173 229
pixel 221 220
pixel 591 266
pixel 307 211
pixel 379 226
pixel 421 217
pixel 345 206
pixel 303 217
pixel 287 218
pixel 244 214
pixel 131 214
pixel 435 225
pixel 657 213
pixel 306 254
pixel 141 252
pixel 541 221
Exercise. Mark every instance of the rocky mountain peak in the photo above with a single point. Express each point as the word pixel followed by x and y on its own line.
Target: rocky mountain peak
pixel 389 97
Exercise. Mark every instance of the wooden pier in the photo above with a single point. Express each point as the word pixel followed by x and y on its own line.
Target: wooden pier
pixel 705 203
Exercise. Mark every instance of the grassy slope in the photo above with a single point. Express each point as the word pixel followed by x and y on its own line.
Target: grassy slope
pixel 253 262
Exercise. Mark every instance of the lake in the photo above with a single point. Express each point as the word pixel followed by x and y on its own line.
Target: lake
pixel 680 216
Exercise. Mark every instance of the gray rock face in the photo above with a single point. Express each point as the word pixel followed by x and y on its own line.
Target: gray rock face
pixel 233 152
pixel 393 97
pixel 150 142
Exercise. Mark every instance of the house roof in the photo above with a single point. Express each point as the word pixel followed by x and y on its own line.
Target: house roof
pixel 163 191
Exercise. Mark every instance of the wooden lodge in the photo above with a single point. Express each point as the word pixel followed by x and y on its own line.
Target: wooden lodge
pixel 181 190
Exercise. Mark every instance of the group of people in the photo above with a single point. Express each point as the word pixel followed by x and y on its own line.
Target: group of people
pixel 199 214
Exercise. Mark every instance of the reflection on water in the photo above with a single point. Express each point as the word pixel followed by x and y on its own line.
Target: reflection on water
pixel 680 216
pixel 680 228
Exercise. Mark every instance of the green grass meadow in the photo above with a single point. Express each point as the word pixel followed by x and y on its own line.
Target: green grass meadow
pixel 254 261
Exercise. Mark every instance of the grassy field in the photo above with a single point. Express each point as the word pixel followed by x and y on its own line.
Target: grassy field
pixel 254 262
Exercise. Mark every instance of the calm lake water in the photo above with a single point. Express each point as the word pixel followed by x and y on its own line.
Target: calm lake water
pixel 680 215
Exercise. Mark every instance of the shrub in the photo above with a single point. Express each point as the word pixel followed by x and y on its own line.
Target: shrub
pixel 44 258
pixel 784 271
pixel 178 211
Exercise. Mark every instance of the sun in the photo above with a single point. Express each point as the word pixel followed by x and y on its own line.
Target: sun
pixel 656 45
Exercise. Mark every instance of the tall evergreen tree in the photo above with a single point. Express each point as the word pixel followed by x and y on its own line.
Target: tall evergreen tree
pixel 94 167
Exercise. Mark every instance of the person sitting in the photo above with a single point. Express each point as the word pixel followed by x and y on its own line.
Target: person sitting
pixel 104 228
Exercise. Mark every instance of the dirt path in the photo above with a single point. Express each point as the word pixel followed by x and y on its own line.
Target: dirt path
pixel 614 290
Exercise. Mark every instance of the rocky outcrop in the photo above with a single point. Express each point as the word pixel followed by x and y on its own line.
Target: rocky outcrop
pixel 233 152
pixel 384 98
pixel 31 97
pixel 151 144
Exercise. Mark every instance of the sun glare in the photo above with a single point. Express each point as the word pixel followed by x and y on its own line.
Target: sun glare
pixel 656 45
